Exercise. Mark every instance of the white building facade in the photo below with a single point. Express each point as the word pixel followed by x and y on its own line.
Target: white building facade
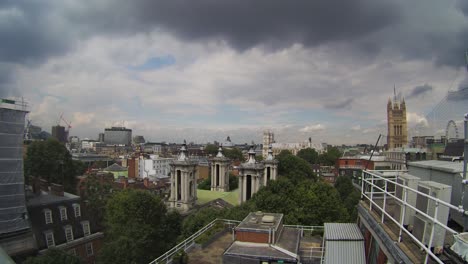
pixel 154 167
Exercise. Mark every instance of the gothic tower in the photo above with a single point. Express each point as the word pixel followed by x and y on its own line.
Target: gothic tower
pixel 220 172
pixel 250 177
pixel 183 182
pixel 397 135
pixel 271 168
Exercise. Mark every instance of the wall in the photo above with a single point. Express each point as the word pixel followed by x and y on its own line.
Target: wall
pixel 251 237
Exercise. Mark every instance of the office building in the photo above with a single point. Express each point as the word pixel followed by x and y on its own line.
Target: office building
pixel 118 136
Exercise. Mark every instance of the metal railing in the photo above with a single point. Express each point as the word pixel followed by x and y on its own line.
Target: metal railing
pixel 369 180
pixel 190 241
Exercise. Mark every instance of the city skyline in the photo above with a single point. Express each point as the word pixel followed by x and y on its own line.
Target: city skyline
pixel 207 70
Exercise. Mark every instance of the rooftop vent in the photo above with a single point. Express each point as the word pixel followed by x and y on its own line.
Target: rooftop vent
pixel 268 219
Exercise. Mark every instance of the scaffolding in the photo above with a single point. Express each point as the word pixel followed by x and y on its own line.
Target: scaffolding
pixel 13 213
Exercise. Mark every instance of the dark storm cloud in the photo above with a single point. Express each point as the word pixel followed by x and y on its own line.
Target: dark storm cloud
pixel 32 31
pixel 39 30
pixel 346 104
pixel 420 90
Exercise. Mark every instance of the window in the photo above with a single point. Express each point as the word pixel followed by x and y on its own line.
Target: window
pixel 48 216
pixel 69 233
pixel 63 213
pixel 77 210
pixel 49 237
pixel 89 249
pixel 86 229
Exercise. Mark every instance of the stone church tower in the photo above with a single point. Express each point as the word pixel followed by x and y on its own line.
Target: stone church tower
pixel 183 182
pixel 250 177
pixel 271 168
pixel 397 135
pixel 220 172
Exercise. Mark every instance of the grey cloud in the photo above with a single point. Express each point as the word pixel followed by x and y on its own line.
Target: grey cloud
pixel 365 27
pixel 340 104
pixel 420 90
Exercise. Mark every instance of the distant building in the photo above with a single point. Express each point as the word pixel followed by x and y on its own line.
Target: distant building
pixel 118 136
pixel 268 139
pixel 397 134
pixel 139 140
pixel 117 170
pixel 59 133
pixel 101 137
pixel 59 221
pixel 227 143
pixel 154 167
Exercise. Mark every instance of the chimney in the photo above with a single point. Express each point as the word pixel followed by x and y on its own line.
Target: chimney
pixel 43 185
pixel 124 181
pixel 56 189
pixel 35 185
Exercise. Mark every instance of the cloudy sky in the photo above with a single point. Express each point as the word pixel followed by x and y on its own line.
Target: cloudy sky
pixel 203 70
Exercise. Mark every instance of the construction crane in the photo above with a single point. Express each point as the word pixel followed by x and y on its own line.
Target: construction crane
pixel 67 130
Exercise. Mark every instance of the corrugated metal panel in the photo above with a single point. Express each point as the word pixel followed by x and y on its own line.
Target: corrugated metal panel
pixel 350 252
pixel 342 231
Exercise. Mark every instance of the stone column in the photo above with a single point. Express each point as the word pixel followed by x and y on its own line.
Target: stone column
pixel 244 198
pixel 241 188
pixel 184 187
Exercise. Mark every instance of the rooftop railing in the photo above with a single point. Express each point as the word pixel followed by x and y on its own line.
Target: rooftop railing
pixel 375 186
pixel 14 104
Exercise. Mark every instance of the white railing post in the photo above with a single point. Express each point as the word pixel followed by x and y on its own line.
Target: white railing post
pixel 362 184
pixel 402 215
pixel 432 230
pixel 371 191
pixel 384 202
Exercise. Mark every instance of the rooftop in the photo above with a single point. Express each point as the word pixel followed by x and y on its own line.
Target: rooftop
pixel 342 231
pixel 261 221
pixel 447 166
pixel 47 198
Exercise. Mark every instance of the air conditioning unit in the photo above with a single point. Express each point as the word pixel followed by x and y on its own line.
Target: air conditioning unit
pixel 423 224
pixel 411 182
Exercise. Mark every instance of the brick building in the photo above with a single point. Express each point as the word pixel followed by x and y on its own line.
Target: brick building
pixel 59 220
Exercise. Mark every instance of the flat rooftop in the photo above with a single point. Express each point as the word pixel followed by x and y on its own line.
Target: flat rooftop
pixel 258 250
pixel 261 221
pixel 440 165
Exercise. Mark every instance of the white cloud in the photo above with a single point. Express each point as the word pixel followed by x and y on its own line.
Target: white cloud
pixel 356 128
pixel 313 128
pixel 416 119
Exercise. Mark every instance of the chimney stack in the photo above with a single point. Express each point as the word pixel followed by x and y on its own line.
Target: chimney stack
pixel 56 189
pixel 43 185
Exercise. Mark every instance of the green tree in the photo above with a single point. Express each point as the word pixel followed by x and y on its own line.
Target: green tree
pixel 349 195
pixel 233 154
pixel 196 221
pixel 211 149
pixel 205 184
pixel 50 160
pixel 233 181
pixel 137 228
pixel 53 256
pixel 294 168
pixel 330 157
pixel 309 155
pixel 95 193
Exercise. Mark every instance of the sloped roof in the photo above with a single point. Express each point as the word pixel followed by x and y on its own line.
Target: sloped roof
pixel 115 167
